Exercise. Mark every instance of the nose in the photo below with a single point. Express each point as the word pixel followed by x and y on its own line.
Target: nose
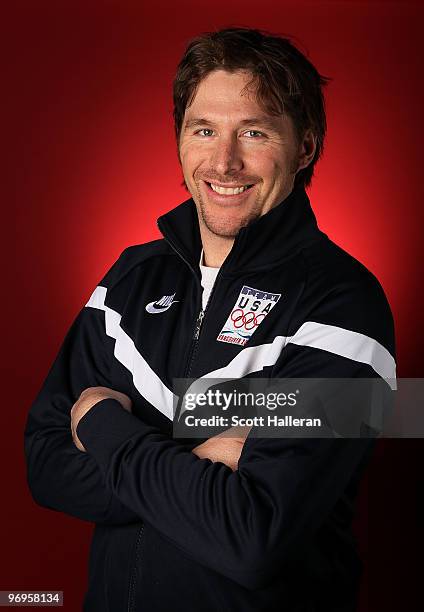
pixel 227 155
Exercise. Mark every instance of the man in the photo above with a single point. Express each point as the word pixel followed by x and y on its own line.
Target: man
pixel 230 524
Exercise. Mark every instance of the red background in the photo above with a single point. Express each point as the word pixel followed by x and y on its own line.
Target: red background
pixel 89 163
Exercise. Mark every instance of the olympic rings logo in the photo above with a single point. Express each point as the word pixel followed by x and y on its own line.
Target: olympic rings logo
pixel 248 321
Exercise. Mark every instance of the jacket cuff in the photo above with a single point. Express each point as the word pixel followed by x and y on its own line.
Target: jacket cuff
pixel 105 427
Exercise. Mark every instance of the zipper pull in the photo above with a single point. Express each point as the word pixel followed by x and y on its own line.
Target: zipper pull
pixel 199 324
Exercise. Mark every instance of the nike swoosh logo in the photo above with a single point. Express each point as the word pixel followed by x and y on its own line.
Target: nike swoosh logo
pixel 161 305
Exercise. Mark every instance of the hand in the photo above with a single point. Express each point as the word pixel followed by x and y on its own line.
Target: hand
pixel 88 398
pixel 226 447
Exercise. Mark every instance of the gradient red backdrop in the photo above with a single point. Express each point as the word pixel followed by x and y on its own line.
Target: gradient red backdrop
pixel 89 164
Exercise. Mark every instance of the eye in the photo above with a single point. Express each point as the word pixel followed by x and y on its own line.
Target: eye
pixel 254 133
pixel 204 130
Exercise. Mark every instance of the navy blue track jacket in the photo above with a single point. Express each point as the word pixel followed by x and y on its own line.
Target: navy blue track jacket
pixel 175 532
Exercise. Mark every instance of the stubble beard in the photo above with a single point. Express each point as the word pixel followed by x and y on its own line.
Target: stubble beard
pixel 222 226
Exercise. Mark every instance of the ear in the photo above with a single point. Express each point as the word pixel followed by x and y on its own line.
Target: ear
pixel 307 149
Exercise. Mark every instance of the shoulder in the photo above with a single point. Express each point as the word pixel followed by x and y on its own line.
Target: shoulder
pixel 329 264
pixel 132 258
pixel 332 271
pixel 341 291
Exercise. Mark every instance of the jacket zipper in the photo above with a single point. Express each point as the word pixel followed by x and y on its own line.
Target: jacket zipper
pixel 199 324
pixel 198 327
pixel 133 579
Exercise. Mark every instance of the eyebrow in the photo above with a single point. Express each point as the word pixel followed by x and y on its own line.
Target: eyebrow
pixel 259 121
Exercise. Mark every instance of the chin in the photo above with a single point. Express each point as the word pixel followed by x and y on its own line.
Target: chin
pixel 223 232
pixel 226 228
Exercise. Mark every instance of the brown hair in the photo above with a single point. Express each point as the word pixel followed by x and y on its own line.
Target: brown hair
pixel 286 81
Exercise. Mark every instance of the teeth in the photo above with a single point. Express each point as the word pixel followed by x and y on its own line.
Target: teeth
pixel 228 190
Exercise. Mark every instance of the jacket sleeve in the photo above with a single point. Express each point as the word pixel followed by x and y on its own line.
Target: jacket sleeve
pixel 59 476
pixel 242 524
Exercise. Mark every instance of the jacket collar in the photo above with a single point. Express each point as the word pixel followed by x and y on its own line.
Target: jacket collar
pixel 261 244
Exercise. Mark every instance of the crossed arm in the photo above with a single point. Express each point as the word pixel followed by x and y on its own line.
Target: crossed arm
pixel 243 523
pixel 243 510
pixel 223 448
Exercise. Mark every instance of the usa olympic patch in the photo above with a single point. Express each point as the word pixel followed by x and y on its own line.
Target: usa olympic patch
pixel 250 309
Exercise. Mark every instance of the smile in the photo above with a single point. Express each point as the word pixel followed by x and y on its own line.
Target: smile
pixel 228 191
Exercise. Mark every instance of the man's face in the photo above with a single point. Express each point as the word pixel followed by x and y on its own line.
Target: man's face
pixel 238 161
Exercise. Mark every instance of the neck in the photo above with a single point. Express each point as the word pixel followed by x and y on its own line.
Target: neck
pixel 215 248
